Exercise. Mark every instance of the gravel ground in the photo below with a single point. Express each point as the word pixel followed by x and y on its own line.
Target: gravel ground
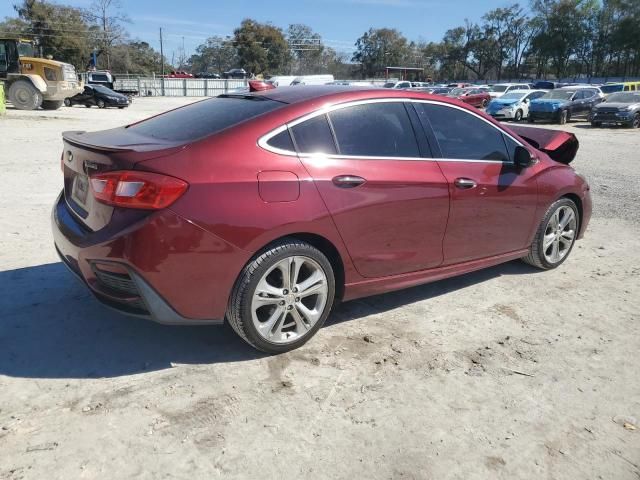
pixel 501 374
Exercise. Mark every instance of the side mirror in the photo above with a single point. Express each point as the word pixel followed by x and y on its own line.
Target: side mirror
pixel 526 100
pixel 522 157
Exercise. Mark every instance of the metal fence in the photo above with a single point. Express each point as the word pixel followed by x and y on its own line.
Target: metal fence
pixel 178 87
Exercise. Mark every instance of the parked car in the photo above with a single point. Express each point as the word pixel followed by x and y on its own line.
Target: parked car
pixel 620 87
pixel 563 104
pixel 179 74
pixel 513 105
pixel 499 89
pixel 236 73
pixel 99 96
pixel 476 97
pixel 621 108
pixel 106 79
pixel 397 85
pixel 546 85
pixel 207 75
pixel 256 209
pixel 459 85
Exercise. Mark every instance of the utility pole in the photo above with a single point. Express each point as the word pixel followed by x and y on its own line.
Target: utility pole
pixel 161 54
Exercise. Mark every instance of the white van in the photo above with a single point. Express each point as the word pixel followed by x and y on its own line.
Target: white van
pixel 313 80
pixel 281 80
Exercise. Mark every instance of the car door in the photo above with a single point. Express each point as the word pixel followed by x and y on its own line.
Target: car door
pixel 493 204
pixel 473 98
pixel 388 199
pixel 526 102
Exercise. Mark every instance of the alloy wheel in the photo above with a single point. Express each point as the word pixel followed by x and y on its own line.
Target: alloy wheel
pixel 559 234
pixel 289 299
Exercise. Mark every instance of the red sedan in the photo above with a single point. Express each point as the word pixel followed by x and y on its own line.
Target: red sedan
pixel 477 97
pixel 267 208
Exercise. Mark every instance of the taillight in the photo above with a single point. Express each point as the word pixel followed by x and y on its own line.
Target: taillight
pixel 146 190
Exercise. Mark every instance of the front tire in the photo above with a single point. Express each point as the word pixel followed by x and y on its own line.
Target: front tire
pixel 282 296
pixel 596 124
pixel 24 95
pixel 484 103
pixel 564 117
pixel 67 102
pixel 555 236
pixel 518 116
pixel 101 104
pixel 636 121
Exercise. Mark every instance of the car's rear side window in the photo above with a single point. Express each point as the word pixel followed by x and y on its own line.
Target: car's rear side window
pixel 375 130
pixel 314 136
pixel 282 141
pixel 204 118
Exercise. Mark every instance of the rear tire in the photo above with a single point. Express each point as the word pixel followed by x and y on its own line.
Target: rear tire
pixel 273 314
pixel 52 104
pixel 24 95
pixel 484 103
pixel 555 236
pixel 530 119
pixel 596 124
pixel 88 105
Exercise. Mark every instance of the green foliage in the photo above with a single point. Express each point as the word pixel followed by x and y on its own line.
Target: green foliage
pixel 261 47
pixel 216 55
pixel 380 48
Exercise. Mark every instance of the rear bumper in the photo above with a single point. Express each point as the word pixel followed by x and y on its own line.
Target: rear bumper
pixel 162 268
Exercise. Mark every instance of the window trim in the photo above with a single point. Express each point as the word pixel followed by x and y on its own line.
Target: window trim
pixel 262 141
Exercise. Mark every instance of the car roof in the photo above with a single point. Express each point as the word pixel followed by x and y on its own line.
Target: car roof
pixel 331 94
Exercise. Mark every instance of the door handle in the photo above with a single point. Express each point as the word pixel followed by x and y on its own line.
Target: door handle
pixel 348 181
pixel 465 183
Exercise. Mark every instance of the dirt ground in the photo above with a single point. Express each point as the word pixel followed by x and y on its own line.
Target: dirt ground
pixel 507 373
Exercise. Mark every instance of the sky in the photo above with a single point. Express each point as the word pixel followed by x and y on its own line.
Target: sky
pixel 339 22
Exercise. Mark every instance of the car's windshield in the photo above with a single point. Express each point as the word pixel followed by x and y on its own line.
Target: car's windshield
pixel 457 91
pixel 25 49
pixel 204 118
pixel 513 96
pixel 499 88
pixel 559 94
pixel 612 88
pixel 624 97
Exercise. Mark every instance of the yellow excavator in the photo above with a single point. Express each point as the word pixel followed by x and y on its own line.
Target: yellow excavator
pixel 31 82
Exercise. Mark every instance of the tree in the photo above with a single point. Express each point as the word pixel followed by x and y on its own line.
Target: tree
pixel 216 55
pixel 261 47
pixel 306 49
pixel 380 48
pixel 108 17
pixel 62 31
pixel 472 48
pixel 135 57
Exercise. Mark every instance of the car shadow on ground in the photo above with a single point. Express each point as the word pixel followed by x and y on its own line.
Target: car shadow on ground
pixel 52 327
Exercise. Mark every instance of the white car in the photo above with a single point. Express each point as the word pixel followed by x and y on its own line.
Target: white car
pixel 397 85
pixel 513 105
pixel 499 89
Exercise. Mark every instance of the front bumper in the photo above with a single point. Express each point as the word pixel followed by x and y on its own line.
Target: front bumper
pixel 165 268
pixel 612 118
pixel 548 116
pixel 503 114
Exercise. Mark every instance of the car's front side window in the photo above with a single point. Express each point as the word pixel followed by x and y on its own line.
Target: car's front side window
pixel 375 130
pixel 462 135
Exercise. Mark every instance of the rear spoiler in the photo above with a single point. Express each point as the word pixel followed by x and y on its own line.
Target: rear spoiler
pixel 560 146
pixel 79 138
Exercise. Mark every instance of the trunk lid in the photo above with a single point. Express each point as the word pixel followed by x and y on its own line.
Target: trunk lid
pixel 559 145
pixel 87 153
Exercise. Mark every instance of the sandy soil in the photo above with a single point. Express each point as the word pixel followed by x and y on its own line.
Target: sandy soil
pixel 502 374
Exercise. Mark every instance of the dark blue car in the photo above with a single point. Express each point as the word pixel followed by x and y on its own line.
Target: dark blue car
pixel 563 104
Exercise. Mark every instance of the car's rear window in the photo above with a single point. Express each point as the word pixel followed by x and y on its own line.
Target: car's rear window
pixel 205 118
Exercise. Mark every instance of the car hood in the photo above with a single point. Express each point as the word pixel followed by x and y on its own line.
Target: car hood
pixel 560 146
pixel 549 101
pixel 503 102
pixel 617 105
